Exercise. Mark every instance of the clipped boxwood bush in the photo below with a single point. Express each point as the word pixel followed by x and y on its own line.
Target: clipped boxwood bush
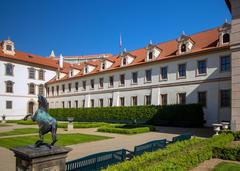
pixel 190 115
pixel 126 129
pixel 178 156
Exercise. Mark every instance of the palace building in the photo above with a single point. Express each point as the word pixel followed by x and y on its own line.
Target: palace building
pixel 199 68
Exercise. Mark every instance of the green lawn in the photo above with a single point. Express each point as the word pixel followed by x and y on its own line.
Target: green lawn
pixel 224 166
pixel 3 125
pixel 63 139
pixel 19 131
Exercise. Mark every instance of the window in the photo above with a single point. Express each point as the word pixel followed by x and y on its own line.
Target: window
pixel 31 88
pixel 163 73
pixel 41 74
pixel 134 101
pixel 147 100
pixel 202 98
pixel 110 102
pixel 148 75
pixel 225 96
pixel 150 55
pixel 63 104
pixel 183 48
pixel 124 61
pixel 41 89
pixel 92 84
pixel 69 104
pixel 69 87
pixel 76 103
pixel 71 73
pixel 101 82
pixel 122 101
pixel 101 102
pixel 63 88
pixel 92 102
pixel 182 70
pixel 164 99
pixel 225 63
pixel 134 78
pixel 83 103
pixel 57 90
pixel 9 86
pixel 226 38
pixel 85 69
pixel 52 91
pixel 76 86
pixel 103 65
pixel 122 79
pixel 202 67
pixel 48 91
pixel 31 73
pixel 84 85
pixel 8 104
pixel 111 79
pixel 9 69
pixel 9 47
pixel 182 98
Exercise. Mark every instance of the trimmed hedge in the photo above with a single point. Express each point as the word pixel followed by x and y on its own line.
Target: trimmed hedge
pixel 227 153
pixel 126 129
pixel 82 124
pixel 190 115
pixel 178 156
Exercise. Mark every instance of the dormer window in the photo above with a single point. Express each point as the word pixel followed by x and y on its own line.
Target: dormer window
pixel 124 61
pixel 85 69
pixel 71 73
pixel 103 65
pixel 150 55
pixel 183 48
pixel 8 47
pixel 226 38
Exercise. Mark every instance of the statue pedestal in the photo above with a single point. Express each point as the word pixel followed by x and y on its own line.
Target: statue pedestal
pixel 29 158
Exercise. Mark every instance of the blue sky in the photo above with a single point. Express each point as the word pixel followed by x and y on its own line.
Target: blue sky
pixel 81 27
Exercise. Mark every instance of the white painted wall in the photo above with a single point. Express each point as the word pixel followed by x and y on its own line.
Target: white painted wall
pixel 192 84
pixel 20 96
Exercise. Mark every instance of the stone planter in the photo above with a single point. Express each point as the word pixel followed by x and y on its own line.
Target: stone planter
pixel 216 128
pixel 3 118
pixel 225 125
pixel 70 123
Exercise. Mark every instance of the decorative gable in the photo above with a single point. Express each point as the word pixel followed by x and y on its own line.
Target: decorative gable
pixel 105 64
pixel 60 75
pixel 88 68
pixel 73 72
pixel 8 47
pixel 185 44
pixel 126 58
pixel 153 52
pixel 224 33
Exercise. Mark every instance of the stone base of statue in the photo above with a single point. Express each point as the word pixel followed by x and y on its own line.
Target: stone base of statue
pixel 30 158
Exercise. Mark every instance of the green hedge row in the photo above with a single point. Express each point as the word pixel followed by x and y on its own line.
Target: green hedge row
pixel 178 156
pixel 190 115
pixel 126 129
pixel 82 124
pixel 227 153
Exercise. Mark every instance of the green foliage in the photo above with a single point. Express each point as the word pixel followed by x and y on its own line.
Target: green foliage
pixel 63 139
pixel 126 128
pixel 226 166
pixel 190 115
pixel 178 156
pixel 26 122
pixel 236 134
pixel 82 124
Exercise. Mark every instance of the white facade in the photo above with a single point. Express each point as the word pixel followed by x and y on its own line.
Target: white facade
pixel 212 83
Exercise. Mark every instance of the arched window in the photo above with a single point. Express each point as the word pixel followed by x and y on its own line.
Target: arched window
pixel 9 87
pixel 31 88
pixel 150 55
pixel 183 48
pixel 226 38
pixel 124 61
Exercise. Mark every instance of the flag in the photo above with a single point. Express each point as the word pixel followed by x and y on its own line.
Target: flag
pixel 120 42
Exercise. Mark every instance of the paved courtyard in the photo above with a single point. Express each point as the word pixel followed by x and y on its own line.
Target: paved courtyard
pixel 118 141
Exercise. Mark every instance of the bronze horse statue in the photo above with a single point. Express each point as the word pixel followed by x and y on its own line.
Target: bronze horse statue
pixel 45 122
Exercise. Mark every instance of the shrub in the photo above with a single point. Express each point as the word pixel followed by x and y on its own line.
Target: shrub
pixel 126 129
pixel 82 124
pixel 178 156
pixel 190 115
pixel 27 122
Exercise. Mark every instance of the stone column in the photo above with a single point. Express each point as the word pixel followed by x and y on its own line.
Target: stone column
pixel 235 49
pixel 29 158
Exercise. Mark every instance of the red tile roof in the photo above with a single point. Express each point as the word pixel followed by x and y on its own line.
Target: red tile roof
pixel 203 42
pixel 85 56
pixel 34 59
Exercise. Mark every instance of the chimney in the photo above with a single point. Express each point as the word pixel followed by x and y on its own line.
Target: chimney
pixel 61 60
